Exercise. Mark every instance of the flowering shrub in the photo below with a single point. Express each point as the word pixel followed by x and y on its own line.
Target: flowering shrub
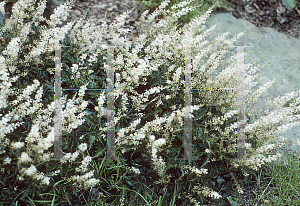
pixel 149 112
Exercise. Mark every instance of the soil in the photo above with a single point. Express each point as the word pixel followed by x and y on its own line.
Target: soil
pixel 268 13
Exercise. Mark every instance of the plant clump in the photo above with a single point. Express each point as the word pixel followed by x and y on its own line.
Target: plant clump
pixel 149 112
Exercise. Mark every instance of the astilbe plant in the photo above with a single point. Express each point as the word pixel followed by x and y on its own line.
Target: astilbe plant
pixel 149 110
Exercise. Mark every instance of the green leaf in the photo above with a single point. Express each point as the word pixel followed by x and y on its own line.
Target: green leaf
pixel 11 1
pixel 92 140
pixel 232 200
pixel 289 4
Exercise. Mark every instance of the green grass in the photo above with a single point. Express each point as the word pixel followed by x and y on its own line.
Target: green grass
pixel 276 184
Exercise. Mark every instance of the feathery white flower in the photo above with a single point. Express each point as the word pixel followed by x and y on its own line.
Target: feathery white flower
pixel 7 160
pixel 31 170
pixel 207 150
pixel 24 157
pixel 152 138
pixel 83 147
pixel 46 180
pixel 159 142
pixel 136 170
pixel 17 145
